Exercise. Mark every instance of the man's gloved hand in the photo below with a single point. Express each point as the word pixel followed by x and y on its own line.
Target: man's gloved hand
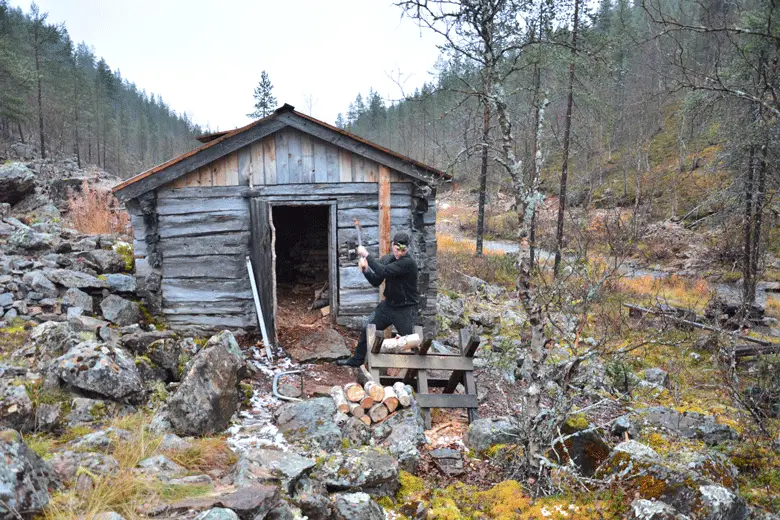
pixel 362 251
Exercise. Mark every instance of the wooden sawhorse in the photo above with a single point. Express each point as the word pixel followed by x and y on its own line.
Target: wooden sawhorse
pixel 414 371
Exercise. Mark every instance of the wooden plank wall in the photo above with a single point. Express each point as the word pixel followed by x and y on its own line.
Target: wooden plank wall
pixel 204 239
pixel 286 157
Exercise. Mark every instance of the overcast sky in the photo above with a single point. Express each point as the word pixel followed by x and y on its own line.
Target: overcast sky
pixel 205 57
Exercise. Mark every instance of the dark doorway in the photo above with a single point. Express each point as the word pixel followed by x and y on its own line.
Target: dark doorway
pixel 302 265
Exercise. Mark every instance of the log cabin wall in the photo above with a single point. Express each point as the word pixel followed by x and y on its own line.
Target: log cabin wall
pixel 193 234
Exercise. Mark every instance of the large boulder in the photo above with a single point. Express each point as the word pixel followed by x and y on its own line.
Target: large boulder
pixel 695 484
pixel 26 239
pixel 16 182
pixel 642 509
pixel 369 469
pixel 16 408
pixel 310 422
pixel 25 479
pixel 484 433
pixel 208 395
pixel 357 506
pixel 101 369
pixel 406 437
pixel 78 298
pixel 689 425
pixel 51 339
pixel 103 261
pixel 266 465
pixel 68 463
pixel 123 283
pixel 120 311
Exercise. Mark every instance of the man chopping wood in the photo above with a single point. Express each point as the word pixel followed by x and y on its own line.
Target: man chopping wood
pixel 399 272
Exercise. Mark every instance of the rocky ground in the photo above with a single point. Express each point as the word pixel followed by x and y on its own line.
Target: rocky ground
pixel 106 414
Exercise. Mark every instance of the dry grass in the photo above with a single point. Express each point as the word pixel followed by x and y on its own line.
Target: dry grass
pixel 126 491
pixel 456 258
pixel 675 290
pixel 773 306
pixel 96 211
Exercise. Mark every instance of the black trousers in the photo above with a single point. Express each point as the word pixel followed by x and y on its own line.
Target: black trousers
pixel 404 319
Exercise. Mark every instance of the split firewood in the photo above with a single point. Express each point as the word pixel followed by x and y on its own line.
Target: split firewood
pixel 366 420
pixel 356 410
pixel 367 402
pixel 354 392
pixel 378 412
pixel 363 375
pixel 337 393
pixel 390 400
pixel 401 343
pixel 375 390
pixel 404 399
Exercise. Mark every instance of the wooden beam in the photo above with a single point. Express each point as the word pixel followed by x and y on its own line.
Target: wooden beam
pixel 195 161
pixel 427 362
pixel 468 347
pixel 446 401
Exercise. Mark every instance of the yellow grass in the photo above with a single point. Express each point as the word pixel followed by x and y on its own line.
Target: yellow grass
pixel 676 290
pixel 773 306
pixel 451 244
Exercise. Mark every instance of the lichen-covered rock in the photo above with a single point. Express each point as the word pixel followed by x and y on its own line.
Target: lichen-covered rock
pixel 172 442
pixel 309 422
pixel 121 283
pixel 623 425
pixel 656 376
pixel 120 311
pixel 357 506
pixel 586 449
pixel 51 339
pixel 39 283
pixel 642 509
pixel 689 425
pixel 16 408
pixel 217 513
pixel 208 394
pixel 110 515
pixel 66 464
pixel 484 433
pixel 27 239
pixel 79 280
pixel 101 369
pixel 406 437
pixel 103 261
pixel 16 182
pixel 160 466
pixel 266 465
pixel 698 485
pixel 103 440
pixel 369 469
pixel 25 478
pixel 76 298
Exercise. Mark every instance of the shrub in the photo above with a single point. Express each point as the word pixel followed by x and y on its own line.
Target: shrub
pixel 96 211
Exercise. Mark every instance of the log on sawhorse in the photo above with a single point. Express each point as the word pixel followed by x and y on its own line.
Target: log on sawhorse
pixel 414 369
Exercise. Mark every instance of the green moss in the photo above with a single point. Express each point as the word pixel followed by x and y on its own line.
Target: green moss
pixel 173 493
pixel 345 443
pixel 247 393
pixel 385 502
pixel 411 487
pixel 143 359
pixel 577 422
pixel 444 508
pixel 126 252
pixel 98 410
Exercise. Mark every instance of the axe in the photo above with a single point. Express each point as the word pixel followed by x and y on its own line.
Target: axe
pixel 359 235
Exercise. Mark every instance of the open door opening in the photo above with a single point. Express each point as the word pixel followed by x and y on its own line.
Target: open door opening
pixel 303 268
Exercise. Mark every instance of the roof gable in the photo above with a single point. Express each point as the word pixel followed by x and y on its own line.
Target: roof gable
pixel 225 143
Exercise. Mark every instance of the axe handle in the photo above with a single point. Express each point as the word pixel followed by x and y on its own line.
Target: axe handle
pixel 359 234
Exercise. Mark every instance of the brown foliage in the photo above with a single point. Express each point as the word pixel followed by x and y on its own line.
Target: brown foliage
pixel 96 211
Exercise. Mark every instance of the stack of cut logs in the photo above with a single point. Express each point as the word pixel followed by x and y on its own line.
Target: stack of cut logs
pixel 370 403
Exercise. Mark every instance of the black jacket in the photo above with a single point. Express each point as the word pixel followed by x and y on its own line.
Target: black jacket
pixel 400 277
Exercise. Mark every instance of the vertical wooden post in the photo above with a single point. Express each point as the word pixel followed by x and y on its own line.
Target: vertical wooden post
pixel 384 222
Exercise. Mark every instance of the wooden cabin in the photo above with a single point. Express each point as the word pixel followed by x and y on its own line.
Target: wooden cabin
pixel 284 190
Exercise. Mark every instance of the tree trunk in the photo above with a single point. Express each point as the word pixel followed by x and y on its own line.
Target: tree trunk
pixel 21 132
pixel 566 143
pixel 40 96
pixel 535 150
pixel 76 122
pixel 748 287
pixel 483 178
pixel 758 211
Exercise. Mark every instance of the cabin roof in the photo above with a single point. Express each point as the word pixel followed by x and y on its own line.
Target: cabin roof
pixel 222 143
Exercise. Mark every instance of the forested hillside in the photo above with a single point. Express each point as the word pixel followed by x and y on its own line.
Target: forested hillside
pixel 59 96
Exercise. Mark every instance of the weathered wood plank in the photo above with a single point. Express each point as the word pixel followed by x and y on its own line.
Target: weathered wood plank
pixel 244 165
pixel 352 278
pixel 257 163
pixel 216 244
pixel 203 223
pixel 231 169
pixel 201 205
pixel 217 322
pixel 370 217
pixel 307 159
pixel 332 163
pixel 220 172
pixel 427 362
pixel 139 247
pixel 211 266
pixel 269 159
pixel 282 158
pixel 397 201
pixel 345 166
pixel 384 210
pixel 446 400
pixel 202 192
pixel 336 190
pixel 241 308
pixel 333 261
pixel 320 162
pixel 205 290
pixel 263 263
pixel 295 158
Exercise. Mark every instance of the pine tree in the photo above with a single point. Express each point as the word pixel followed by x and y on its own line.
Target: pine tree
pixel 265 102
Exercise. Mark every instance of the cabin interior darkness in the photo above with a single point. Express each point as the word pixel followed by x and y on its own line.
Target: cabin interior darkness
pixel 301 248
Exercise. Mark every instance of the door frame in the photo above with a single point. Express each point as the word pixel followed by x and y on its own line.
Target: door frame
pixel 333 270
